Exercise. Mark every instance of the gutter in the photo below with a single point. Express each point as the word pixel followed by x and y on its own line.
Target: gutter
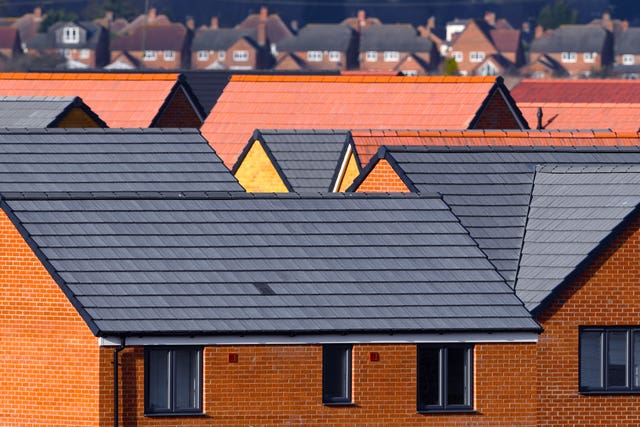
pixel 115 380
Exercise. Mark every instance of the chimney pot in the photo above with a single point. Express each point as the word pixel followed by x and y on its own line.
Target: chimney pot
pixel 264 13
pixel 152 13
pixel 191 24
pixel 362 16
pixel 490 18
pixel 539 31
pixel 214 23
pixel 37 11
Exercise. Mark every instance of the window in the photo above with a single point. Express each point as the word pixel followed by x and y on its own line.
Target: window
pixel 221 55
pixel 589 57
pixel 336 373
pixel 240 55
pixel 371 56
pixel 169 55
pixel 391 56
pixel 334 56
pixel 203 55
pixel 70 35
pixel 476 56
pixel 85 53
pixel 444 378
pixel 610 360
pixel 569 57
pixel 173 380
pixel 314 56
pixel 149 55
pixel 458 56
pixel 628 60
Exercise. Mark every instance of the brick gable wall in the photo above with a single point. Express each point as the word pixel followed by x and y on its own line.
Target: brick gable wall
pixel 49 364
pixel 496 114
pixel 282 385
pixel 382 178
pixel 178 113
pixel 606 294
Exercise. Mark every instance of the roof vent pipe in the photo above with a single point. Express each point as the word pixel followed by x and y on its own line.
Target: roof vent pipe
pixel 539 114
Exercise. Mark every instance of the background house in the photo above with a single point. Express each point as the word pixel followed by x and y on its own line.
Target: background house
pixel 230 48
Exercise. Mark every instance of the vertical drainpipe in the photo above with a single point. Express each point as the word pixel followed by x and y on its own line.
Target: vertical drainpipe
pixel 115 380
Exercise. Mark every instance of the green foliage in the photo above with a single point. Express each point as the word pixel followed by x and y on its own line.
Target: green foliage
pixel 127 9
pixel 560 13
pixel 56 15
pixel 450 67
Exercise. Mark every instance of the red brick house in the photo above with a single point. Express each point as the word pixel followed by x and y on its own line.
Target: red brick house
pixel 319 47
pixel 163 46
pixel 582 50
pixel 10 44
pixel 230 48
pixel 397 48
pixel 480 40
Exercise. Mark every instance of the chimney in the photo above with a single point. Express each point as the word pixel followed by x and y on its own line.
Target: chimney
pixel 108 15
pixel 431 22
pixel 262 34
pixel 362 16
pixel 526 27
pixel 264 13
pixel 294 26
pixel 424 31
pixel 152 14
pixel 539 31
pixel 607 22
pixel 490 18
pixel 625 25
pixel 191 24
pixel 37 12
pixel 214 23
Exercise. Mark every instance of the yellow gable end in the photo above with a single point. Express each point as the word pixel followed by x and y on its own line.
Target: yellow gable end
pixel 257 174
pixel 351 172
pixel 76 118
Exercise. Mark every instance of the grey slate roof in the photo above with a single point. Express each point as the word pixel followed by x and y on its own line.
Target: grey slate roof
pixel 489 188
pixel 244 263
pixel 108 160
pixel 572 38
pixel 48 40
pixel 319 37
pixel 307 160
pixel 573 210
pixel 401 38
pixel 39 111
pixel 627 42
pixel 221 38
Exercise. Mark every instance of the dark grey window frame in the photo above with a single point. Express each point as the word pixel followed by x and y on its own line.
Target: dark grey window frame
pixel 604 360
pixel 443 369
pixel 330 377
pixel 172 411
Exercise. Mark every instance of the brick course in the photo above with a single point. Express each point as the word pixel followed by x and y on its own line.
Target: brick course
pixel 382 178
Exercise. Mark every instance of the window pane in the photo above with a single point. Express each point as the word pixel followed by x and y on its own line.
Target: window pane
pixel 636 359
pixel 591 359
pixel 617 359
pixel 336 373
pixel 158 380
pixel 186 381
pixel 429 376
pixel 457 378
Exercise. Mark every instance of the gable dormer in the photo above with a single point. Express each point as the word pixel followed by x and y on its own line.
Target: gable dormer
pixel 70 34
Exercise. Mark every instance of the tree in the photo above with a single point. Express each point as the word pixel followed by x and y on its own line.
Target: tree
pixel 560 13
pixel 450 67
pixel 56 15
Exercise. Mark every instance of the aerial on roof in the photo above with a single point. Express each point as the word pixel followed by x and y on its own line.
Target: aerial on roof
pixel 352 102
pixel 574 210
pixel 110 160
pixel 128 100
pixel 489 187
pixel 248 264
pixel 43 111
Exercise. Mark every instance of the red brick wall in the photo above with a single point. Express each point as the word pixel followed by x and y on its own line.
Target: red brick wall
pixel 179 113
pixel 496 115
pixel 281 385
pixel 49 363
pixel 472 39
pixel 579 67
pixel 382 178
pixel 606 294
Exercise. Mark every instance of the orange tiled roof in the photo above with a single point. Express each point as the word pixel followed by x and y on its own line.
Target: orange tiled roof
pixel 368 141
pixel 339 102
pixel 617 117
pixel 121 100
pixel 577 91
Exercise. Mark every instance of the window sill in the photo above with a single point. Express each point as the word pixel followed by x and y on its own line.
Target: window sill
pixel 608 392
pixel 447 411
pixel 338 404
pixel 175 414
